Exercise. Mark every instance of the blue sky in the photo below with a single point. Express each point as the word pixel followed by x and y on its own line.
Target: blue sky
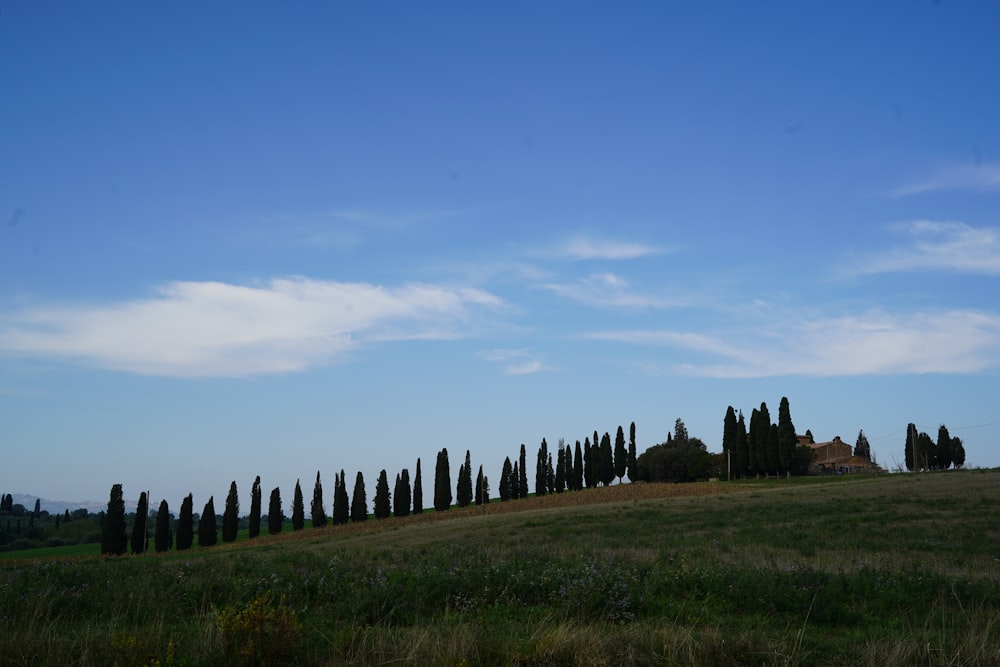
pixel 246 239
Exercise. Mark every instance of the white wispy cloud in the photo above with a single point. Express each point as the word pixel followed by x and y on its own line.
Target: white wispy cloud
pixel 958 341
pixel 937 246
pixel 515 361
pixel 204 329
pixel 584 248
pixel 606 290
pixel 982 178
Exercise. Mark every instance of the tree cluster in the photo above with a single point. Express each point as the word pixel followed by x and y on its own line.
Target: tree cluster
pixel 923 453
pixel 765 448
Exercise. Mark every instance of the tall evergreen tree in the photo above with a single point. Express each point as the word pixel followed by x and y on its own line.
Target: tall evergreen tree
pixel 957 452
pixel 298 508
pixel 140 531
pixel 560 482
pixel 909 448
pixel 541 459
pixel 317 509
pixel 359 500
pixel 255 508
pixel 787 442
pixel 275 515
pixel 464 492
pixel 550 475
pixel 578 461
pixel 505 480
pixel 607 465
pixel 418 491
pixel 621 454
pixel 164 536
pixel 729 437
pixel 943 449
pixel 442 482
pixel 341 510
pixel 631 453
pixel 401 494
pixel 926 452
pixel 208 530
pixel 383 506
pixel 522 474
pixel 515 485
pixel 753 437
pixel 589 468
pixel 185 524
pixel 861 448
pixel 113 537
pixel 231 516
pixel 482 488
pixel 742 454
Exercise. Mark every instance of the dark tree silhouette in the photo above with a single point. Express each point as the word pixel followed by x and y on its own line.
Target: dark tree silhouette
pixel 579 461
pixel 401 494
pixel 298 508
pixel 317 510
pixel 560 481
pixel 862 448
pixel 522 474
pixel 442 482
pixel 482 488
pixel 607 461
pixel 113 537
pixel 140 532
pixel 341 509
pixel 231 515
pixel 185 524
pixel 164 536
pixel 787 442
pixel 208 531
pixel 418 492
pixel 383 507
pixel 621 455
pixel 359 501
pixel 255 509
pixel 275 517
pixel 464 492
pixel 506 485
pixel 541 460
pixel 631 453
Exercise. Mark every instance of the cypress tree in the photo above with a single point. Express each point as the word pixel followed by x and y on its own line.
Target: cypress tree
pixel 164 536
pixel 208 532
pixel 742 453
pixel 588 463
pixel 359 503
pixel 560 481
pixel 944 454
pixel 341 509
pixel 515 486
pixel 568 467
pixel 578 463
pixel 383 506
pixel 550 475
pixel 482 488
pixel 401 494
pixel 317 510
pixel 541 485
pixel 418 492
pixel 522 475
pixel 607 466
pixel 620 454
pixel 442 482
pixel 505 476
pixel 255 509
pixel 464 491
pixel 909 450
pixel 632 472
pixel 298 508
pixel 957 452
pixel 275 517
pixel 113 537
pixel 140 532
pixel 862 448
pixel 231 516
pixel 729 440
pixel 185 524
pixel 787 442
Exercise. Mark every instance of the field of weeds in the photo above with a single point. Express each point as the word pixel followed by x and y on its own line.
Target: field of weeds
pixel 896 570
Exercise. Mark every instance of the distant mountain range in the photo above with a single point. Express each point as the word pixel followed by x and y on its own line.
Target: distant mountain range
pixel 57 506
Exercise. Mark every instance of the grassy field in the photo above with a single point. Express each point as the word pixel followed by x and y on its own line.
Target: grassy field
pixel 895 570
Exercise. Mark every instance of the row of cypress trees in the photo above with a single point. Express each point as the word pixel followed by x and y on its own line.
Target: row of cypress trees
pixel 596 463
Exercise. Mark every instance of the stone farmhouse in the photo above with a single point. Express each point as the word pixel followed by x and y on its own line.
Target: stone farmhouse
pixel 837 456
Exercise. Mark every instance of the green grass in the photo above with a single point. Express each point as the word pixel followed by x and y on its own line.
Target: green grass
pixel 895 570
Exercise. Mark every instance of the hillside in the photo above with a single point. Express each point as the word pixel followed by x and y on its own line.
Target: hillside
pixel 893 570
